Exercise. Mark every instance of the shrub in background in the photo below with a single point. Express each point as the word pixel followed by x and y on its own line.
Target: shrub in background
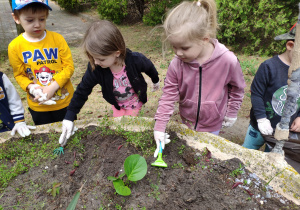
pixel 114 10
pixel 157 10
pixel 249 26
pixel 72 6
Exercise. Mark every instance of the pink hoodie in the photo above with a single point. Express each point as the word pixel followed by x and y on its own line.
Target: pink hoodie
pixel 218 83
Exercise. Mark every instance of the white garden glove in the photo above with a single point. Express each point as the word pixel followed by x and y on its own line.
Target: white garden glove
pixel 264 126
pixel 228 121
pixel 155 86
pixel 39 93
pixel 22 129
pixel 35 92
pixel 160 137
pixel 43 99
pixel 68 129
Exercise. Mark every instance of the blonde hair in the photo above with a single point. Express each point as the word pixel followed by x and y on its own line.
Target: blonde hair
pixel 193 20
pixel 103 38
pixel 34 7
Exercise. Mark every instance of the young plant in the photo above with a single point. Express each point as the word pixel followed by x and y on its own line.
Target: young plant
pixel 237 171
pixel 181 149
pixel 135 168
pixel 55 189
pixel 155 194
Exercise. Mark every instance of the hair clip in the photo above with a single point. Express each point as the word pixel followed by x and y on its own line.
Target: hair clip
pixel 198 3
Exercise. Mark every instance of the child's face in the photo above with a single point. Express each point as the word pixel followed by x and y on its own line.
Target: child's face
pixel 34 24
pixel 186 50
pixel 106 61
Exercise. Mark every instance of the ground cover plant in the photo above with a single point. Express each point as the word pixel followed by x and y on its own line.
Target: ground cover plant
pixel 193 178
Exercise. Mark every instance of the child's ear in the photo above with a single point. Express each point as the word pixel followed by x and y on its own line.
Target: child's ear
pixel 15 18
pixel 118 53
pixel 290 45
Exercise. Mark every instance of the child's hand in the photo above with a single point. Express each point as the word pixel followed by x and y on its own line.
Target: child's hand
pixel 39 96
pixel 50 90
pixel 228 121
pixel 264 126
pixel 155 87
pixel 34 89
pixel 68 129
pixel 22 129
pixel 160 137
pixel 295 127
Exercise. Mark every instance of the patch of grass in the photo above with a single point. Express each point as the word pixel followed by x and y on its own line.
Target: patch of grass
pixel 18 156
pixel 141 140
pixel 249 67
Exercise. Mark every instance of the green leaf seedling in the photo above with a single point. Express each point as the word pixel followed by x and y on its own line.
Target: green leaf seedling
pixel 135 169
pixel 55 189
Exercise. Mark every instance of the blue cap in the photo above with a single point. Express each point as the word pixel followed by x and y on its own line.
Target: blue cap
pixel 19 4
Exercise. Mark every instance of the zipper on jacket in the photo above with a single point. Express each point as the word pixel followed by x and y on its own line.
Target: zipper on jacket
pixel 199 97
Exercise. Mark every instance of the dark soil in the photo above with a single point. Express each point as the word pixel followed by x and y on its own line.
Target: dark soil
pixel 192 180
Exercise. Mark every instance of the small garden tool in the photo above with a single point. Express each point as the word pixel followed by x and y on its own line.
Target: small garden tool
pixel 159 161
pixel 59 151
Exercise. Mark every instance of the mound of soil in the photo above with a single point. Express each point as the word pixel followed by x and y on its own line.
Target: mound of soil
pixel 192 180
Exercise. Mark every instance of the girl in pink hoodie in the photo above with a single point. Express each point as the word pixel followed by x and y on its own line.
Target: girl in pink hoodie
pixel 204 76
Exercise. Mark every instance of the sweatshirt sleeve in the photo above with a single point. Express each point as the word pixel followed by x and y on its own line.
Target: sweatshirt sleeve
pixel 167 100
pixel 18 66
pixel 81 94
pixel 235 91
pixel 67 68
pixel 148 67
pixel 258 88
pixel 14 101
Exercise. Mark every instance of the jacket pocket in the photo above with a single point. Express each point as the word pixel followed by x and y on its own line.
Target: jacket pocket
pixel 188 110
pixel 209 114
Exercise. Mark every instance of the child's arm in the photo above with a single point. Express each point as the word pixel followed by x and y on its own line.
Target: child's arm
pixel 235 91
pixel 83 90
pixel 148 67
pixel 18 68
pixel 167 100
pixel 14 100
pixel 16 109
pixel 258 88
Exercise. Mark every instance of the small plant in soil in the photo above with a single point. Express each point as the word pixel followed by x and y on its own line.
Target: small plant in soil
pixel 155 194
pixel 75 163
pixel 181 149
pixel 238 171
pixel 135 167
pixel 54 190
pixel 178 165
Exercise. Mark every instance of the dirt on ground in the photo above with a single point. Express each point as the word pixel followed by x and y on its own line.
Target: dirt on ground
pixel 192 180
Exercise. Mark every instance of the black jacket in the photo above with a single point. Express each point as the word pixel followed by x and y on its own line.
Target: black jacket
pixel 135 62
